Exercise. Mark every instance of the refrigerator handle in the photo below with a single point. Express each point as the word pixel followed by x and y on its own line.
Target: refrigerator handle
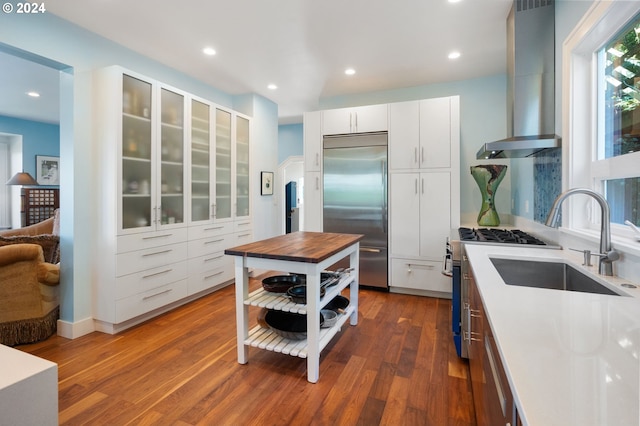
pixel 385 202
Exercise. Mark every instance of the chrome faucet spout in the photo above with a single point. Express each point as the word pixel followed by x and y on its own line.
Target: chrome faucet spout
pixel 607 255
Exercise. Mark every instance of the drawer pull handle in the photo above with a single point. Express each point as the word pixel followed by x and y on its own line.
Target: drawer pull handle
pixel 158 273
pixel 213 275
pixel 157 252
pixel 214 241
pixel 243 224
pixel 213 229
pixel 157 294
pixel 157 236
pixel 243 235
pixel 214 258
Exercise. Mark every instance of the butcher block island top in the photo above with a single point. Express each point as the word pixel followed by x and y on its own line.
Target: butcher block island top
pixel 306 253
pixel 311 247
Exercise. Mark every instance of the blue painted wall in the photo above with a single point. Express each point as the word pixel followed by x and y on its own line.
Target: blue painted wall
pixel 37 139
pixel 290 141
pixel 483 118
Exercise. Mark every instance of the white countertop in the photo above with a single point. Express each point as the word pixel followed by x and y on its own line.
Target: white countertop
pixel 571 358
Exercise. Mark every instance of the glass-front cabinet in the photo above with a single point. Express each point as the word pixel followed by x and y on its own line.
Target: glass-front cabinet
pixel 137 153
pixel 200 162
pixel 242 166
pixel 152 160
pixel 172 206
pixel 223 165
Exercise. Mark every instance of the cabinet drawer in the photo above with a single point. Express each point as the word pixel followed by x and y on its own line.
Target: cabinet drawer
pixel 419 275
pixel 242 226
pixel 133 306
pixel 204 231
pixel 133 242
pixel 208 262
pixel 208 246
pixel 204 280
pixel 240 238
pixel 131 284
pixel 155 257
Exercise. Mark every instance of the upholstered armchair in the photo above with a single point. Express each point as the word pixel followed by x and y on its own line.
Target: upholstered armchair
pixel 29 300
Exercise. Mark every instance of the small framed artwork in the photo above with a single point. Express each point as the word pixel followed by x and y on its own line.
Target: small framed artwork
pixel 48 170
pixel 266 188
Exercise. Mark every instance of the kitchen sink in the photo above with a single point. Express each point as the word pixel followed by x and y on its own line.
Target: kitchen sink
pixel 551 275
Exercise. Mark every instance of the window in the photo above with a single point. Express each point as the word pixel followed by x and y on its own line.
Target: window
pixel 601 111
pixel 619 107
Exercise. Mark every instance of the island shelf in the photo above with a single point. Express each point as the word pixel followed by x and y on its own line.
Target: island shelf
pixel 307 253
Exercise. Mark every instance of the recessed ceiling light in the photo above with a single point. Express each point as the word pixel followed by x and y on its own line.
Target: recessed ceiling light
pixel 349 71
pixel 272 87
pixel 209 51
pixel 33 94
pixel 454 55
pixel 454 1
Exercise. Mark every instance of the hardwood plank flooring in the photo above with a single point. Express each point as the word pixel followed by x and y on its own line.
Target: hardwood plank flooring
pixel 398 366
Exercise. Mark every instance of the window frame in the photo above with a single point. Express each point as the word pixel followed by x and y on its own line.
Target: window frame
pixel 583 118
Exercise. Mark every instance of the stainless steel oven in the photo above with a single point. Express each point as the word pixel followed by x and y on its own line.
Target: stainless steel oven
pixel 456 265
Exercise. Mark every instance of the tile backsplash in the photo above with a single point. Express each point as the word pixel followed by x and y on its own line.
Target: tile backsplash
pixel 547 182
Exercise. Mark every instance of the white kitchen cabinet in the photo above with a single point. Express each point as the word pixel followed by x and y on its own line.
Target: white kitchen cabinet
pixel 174 173
pixel 421 275
pixel 423 133
pixel 151 161
pixel 202 163
pixel 241 144
pixel 372 118
pixel 313 141
pixel 313 201
pixel 420 213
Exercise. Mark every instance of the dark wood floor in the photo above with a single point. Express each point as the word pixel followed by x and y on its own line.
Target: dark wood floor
pixel 396 367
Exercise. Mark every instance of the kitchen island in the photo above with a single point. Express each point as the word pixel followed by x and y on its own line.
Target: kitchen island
pixel 306 253
pixel 570 358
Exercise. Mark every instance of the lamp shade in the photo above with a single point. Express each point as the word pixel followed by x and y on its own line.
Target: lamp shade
pixel 22 178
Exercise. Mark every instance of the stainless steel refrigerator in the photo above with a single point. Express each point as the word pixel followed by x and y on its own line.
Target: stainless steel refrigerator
pixel 355 198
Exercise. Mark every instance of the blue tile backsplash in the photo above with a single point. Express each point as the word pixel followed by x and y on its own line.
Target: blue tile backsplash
pixel 547 182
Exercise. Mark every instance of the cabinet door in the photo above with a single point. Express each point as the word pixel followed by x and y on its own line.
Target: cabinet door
pixel 371 118
pixel 337 121
pixel 172 170
pixel 435 213
pixel 200 162
pixel 223 165
pixel 136 196
pixel 476 352
pixel 435 133
pixel 242 167
pixel 404 201
pixel 312 141
pixel 404 135
pixel 312 202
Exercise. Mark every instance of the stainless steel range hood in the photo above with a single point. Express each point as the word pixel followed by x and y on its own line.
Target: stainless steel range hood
pixel 530 83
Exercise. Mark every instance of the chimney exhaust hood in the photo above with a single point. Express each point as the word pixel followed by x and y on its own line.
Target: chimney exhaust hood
pixel 530 83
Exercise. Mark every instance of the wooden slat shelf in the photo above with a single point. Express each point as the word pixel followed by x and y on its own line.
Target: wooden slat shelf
pixel 264 338
pixel 280 302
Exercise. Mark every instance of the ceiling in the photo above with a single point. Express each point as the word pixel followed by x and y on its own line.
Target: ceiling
pixel 302 46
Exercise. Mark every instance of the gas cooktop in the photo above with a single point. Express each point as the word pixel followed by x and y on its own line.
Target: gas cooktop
pixel 499 236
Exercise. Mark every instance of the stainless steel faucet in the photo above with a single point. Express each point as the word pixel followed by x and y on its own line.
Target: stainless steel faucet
pixel 606 255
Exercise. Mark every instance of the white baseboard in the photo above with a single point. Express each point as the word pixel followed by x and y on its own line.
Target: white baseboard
pixel 73 330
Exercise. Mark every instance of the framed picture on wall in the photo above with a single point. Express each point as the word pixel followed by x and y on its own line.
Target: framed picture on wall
pixel 48 170
pixel 267 183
